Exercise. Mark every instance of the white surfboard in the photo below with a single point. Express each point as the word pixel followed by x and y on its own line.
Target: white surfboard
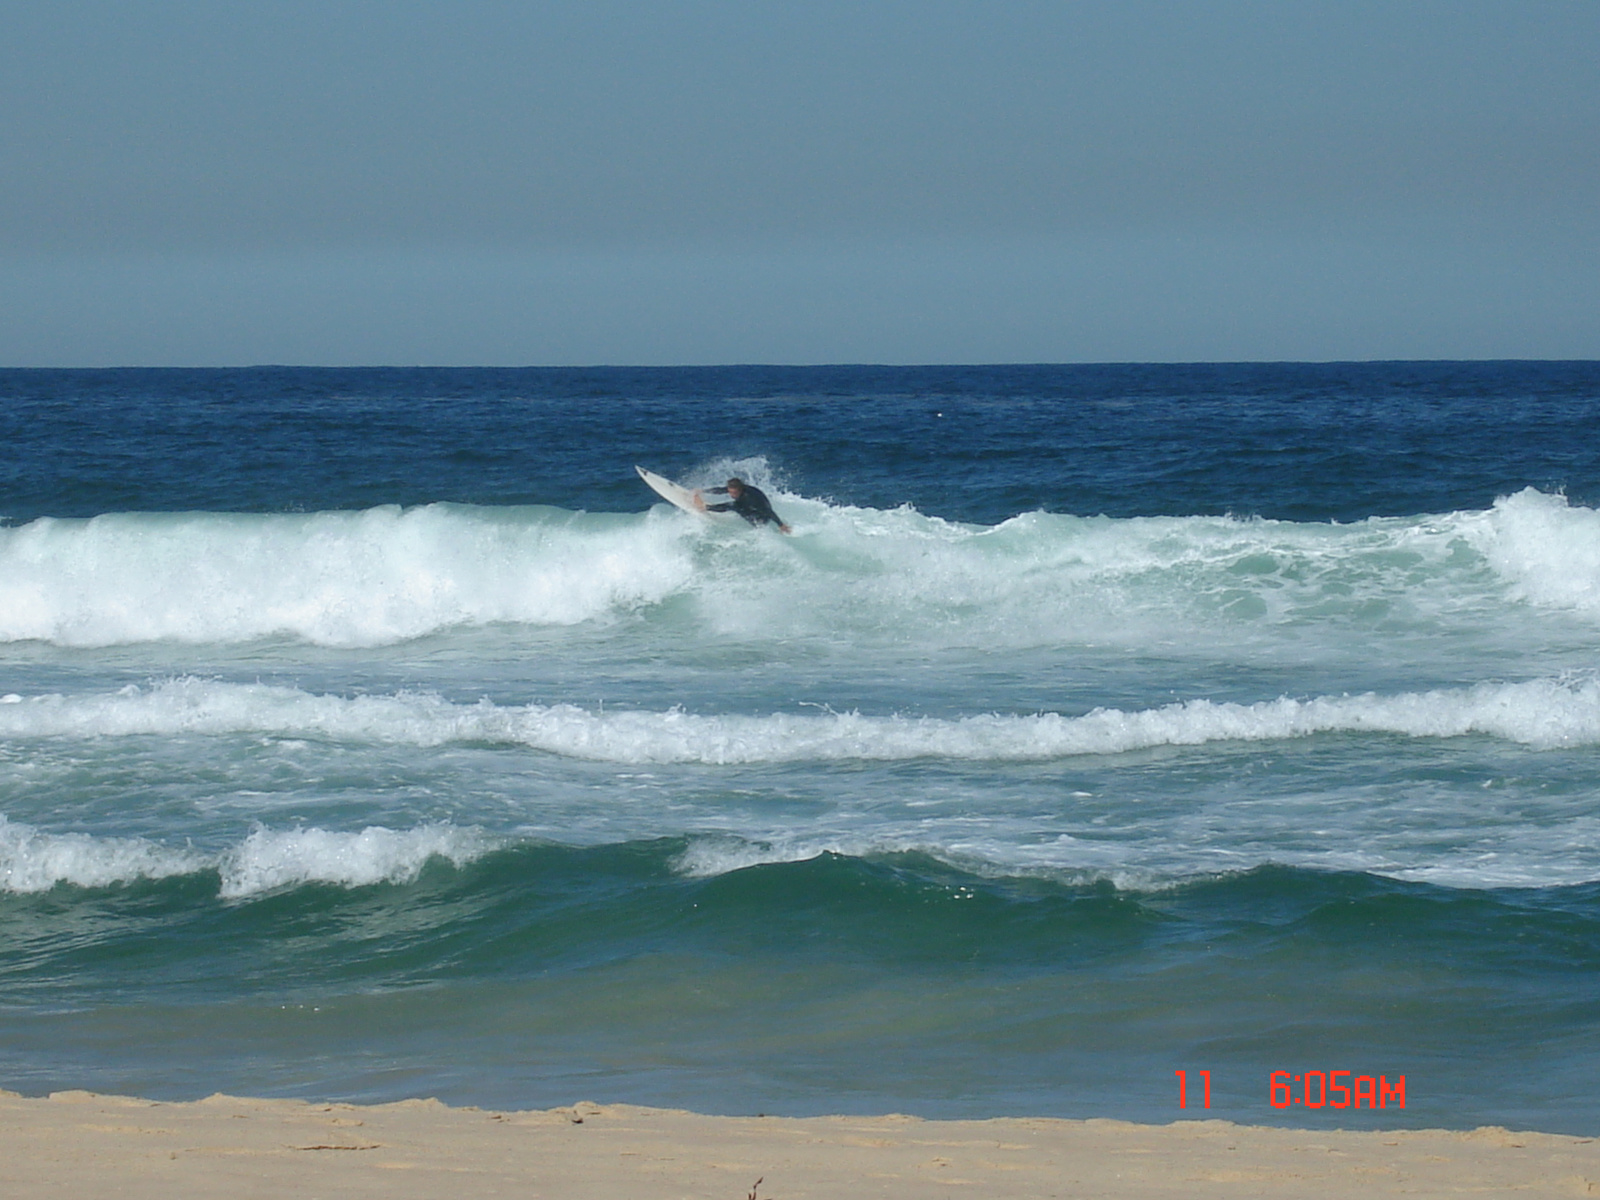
pixel 671 492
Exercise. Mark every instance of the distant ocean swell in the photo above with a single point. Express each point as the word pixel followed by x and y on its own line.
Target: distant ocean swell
pixel 1541 713
pixel 387 575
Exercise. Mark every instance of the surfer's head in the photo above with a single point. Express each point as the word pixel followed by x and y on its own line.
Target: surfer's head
pixel 735 486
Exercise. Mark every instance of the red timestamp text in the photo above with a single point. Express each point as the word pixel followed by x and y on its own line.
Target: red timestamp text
pixel 1335 1089
pixel 1183 1087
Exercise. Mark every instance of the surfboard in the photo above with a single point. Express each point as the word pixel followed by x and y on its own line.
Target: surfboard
pixel 671 492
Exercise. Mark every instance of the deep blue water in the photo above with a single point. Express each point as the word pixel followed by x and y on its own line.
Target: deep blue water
pixel 1301 442
pixel 375 733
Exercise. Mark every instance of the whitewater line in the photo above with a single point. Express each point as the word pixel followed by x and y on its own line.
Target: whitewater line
pixel 1545 713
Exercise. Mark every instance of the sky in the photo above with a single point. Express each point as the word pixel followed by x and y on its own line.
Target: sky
pixel 736 181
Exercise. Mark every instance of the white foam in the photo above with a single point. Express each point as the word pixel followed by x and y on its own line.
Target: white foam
pixel 709 855
pixel 1044 579
pixel 1514 850
pixel 387 575
pixel 1543 713
pixel 1547 548
pixel 36 861
pixel 336 579
pixel 271 859
pixel 1509 848
pixel 32 861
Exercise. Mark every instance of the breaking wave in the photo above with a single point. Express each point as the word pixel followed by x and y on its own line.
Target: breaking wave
pixel 388 575
pixel 265 861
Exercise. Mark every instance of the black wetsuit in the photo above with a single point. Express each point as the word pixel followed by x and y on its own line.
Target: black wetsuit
pixel 752 505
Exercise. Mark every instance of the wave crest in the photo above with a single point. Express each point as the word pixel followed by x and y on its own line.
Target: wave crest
pixel 271 859
pixel 267 860
pixel 33 861
pixel 387 575
pixel 349 579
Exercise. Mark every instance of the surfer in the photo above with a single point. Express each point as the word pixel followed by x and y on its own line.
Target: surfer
pixel 748 501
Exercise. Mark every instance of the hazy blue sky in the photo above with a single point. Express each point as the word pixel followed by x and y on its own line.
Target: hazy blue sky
pixel 598 182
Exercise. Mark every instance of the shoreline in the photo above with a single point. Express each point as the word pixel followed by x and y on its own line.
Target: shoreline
pixel 87 1144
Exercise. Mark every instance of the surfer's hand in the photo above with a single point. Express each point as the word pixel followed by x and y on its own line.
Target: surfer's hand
pixel 699 500
pixel 784 529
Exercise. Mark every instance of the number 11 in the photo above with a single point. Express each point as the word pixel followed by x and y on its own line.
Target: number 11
pixel 1183 1080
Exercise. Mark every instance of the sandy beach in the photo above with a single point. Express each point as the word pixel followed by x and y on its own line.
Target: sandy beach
pixel 88 1145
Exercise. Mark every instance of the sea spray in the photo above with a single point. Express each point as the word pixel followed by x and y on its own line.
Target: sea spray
pixel 32 860
pixel 333 579
pixel 388 575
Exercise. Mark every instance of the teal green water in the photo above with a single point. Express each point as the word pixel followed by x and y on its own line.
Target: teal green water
pixel 812 986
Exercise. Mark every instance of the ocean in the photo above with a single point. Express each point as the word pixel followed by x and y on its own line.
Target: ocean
pixel 368 734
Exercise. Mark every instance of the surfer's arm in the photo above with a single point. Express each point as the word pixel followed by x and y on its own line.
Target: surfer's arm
pixel 700 501
pixel 762 510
